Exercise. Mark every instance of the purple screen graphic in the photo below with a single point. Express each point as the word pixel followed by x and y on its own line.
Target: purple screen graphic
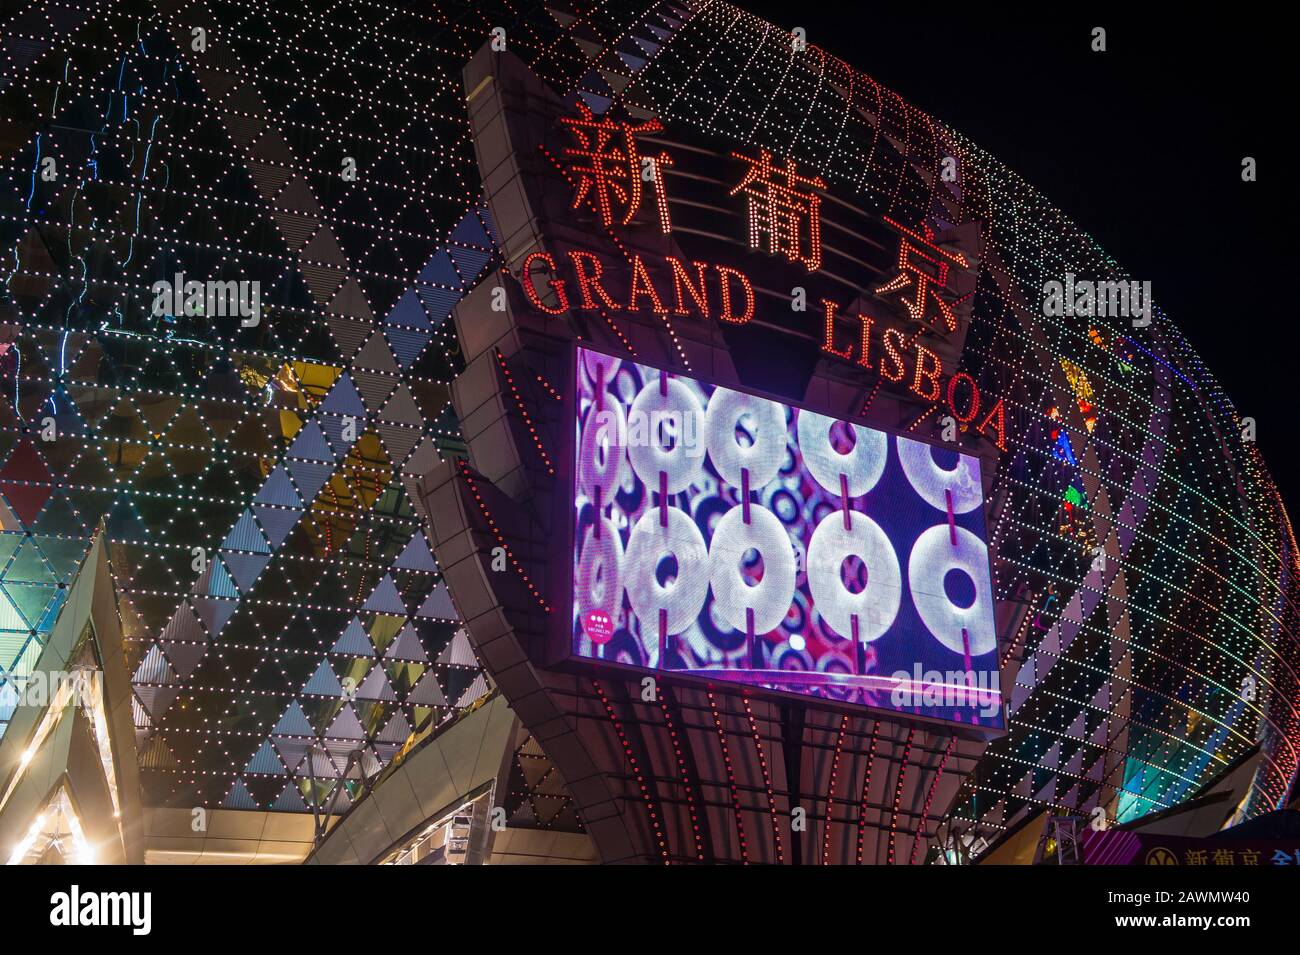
pixel 796 552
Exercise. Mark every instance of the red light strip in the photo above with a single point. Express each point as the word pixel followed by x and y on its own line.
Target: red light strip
pixel 523 412
pixel 767 779
pixel 501 541
pixel 617 331
pixel 898 793
pixel 731 777
pixel 929 798
pixel 686 779
pixel 871 397
pixel 549 388
pixel 929 411
pixel 830 790
pixel 636 771
pixel 866 785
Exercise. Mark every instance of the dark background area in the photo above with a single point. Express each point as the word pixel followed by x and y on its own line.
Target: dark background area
pixel 1140 145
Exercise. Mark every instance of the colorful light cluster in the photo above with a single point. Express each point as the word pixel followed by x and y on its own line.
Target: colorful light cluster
pixel 1159 637
pixel 256 482
pixel 280 602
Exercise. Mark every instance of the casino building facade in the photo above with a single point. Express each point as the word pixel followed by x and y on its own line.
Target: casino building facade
pixel 643 440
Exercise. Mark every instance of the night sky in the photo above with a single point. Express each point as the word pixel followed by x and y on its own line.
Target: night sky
pixel 1140 145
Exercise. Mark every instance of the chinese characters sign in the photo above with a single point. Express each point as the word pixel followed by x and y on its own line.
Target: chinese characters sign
pixel 609 168
pixel 1121 847
pixel 610 172
pixel 614 165
pixel 923 273
pixel 788 217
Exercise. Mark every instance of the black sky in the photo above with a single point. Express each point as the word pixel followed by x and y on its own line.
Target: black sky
pixel 1140 145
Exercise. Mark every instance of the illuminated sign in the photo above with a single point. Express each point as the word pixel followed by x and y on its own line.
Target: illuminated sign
pixel 590 283
pixel 609 170
pixel 1123 847
pixel 923 268
pixel 740 539
pixel 778 209
pixel 608 167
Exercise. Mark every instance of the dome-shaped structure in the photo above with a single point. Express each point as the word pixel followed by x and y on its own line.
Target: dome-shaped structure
pixel 1133 516
pixel 253 452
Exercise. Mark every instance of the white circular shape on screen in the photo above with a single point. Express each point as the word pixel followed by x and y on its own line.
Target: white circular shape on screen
pixel 605 430
pixel 765 456
pixel 683 597
pixel 599 576
pixel 933 556
pixel 876 606
pixel 862 465
pixel 770 597
pixel 600 368
pixel 683 411
pixel 798 643
pixel 930 481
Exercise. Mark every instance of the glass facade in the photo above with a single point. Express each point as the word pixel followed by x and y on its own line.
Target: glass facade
pixel 255 478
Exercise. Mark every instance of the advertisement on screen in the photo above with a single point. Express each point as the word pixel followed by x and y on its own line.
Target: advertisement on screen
pixel 739 539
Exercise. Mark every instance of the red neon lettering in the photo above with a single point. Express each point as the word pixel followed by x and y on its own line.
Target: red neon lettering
pixel 1000 413
pixel 974 408
pixel 682 280
pixel 557 285
pixel 641 285
pixel 892 339
pixel 587 282
pixel 864 359
pixel 930 374
pixel 727 315
pixel 828 341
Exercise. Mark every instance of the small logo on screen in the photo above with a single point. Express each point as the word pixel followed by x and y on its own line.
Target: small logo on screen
pixel 598 626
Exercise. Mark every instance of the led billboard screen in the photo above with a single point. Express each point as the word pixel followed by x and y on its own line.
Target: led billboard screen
pixel 796 552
